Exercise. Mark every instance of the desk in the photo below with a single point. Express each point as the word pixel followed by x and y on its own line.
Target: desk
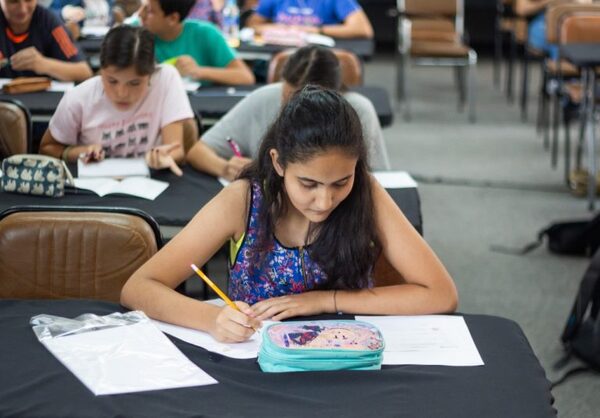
pixel 511 384
pixel 211 102
pixel 183 198
pixel 587 57
pixel 364 48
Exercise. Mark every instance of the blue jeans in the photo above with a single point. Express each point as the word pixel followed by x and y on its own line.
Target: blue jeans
pixel 537 36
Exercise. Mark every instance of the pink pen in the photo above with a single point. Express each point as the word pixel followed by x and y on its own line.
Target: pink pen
pixel 234 147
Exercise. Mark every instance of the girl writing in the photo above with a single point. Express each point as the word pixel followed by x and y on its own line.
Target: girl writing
pixel 306 223
pixel 132 109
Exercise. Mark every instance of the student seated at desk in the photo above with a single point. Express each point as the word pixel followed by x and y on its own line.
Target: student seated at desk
pixel 208 10
pixel 129 110
pixel 305 223
pixel 33 42
pixel 248 121
pixel 197 49
pixel 335 18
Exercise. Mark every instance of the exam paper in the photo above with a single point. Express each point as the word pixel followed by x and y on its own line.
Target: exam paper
pixel 441 340
pixel 245 350
pixel 394 179
pixel 135 186
pixel 114 168
pixel 126 359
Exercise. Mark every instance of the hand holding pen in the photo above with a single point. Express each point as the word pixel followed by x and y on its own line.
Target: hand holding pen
pixel 235 164
pixel 235 322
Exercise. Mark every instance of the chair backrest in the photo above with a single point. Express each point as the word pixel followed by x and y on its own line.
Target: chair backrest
pixel 580 28
pixel 72 252
pixel 384 274
pixel 15 128
pixel 555 12
pixel 451 10
pixel 349 64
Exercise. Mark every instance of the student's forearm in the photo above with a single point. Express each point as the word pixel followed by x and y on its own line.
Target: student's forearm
pixel 404 299
pixel 58 151
pixel 529 7
pixel 343 31
pixel 66 71
pixel 232 76
pixel 205 159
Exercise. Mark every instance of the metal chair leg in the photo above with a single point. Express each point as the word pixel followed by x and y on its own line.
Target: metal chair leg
pixel 525 84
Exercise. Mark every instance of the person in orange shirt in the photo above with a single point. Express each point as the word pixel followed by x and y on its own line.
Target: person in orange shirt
pixel 33 41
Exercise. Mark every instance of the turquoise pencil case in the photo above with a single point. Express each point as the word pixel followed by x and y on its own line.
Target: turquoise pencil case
pixel 320 345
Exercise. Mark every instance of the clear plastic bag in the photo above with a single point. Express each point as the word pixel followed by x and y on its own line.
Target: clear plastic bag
pixel 117 353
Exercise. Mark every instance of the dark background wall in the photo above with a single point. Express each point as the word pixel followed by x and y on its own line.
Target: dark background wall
pixel 479 22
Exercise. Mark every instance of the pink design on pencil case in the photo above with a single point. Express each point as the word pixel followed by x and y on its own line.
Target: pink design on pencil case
pixel 345 335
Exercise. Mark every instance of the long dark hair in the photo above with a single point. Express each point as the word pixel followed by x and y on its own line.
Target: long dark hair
pixel 314 121
pixel 126 46
pixel 313 65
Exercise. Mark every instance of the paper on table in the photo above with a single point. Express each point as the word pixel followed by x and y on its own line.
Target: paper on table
pixel 61 85
pixel 427 339
pixel 135 186
pixel 126 359
pixel 191 85
pixel 245 350
pixel 113 167
pixel 95 31
pixel 395 179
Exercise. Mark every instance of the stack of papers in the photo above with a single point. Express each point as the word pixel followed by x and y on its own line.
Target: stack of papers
pixel 114 168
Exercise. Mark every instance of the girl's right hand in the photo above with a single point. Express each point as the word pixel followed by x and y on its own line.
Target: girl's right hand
pixel 90 153
pixel 233 326
pixel 234 167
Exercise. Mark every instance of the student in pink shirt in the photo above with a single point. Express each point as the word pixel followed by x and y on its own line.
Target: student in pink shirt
pixel 132 109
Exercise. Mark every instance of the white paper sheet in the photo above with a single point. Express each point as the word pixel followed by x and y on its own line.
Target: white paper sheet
pixel 245 350
pixel 190 84
pixel 94 31
pixel 114 167
pixel 395 179
pixel 427 339
pixel 126 359
pixel 135 186
pixel 61 85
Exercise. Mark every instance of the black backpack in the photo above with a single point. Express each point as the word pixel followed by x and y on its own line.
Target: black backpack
pixel 570 238
pixel 581 336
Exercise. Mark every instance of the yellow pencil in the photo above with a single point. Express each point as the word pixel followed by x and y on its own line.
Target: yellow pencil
pixel 214 287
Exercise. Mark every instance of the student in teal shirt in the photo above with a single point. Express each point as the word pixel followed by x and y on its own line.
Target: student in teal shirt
pixel 197 49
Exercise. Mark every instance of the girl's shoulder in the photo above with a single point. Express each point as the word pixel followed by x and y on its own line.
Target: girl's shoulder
pixel 87 92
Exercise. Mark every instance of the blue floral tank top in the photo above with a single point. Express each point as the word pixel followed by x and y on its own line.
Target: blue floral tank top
pixel 281 271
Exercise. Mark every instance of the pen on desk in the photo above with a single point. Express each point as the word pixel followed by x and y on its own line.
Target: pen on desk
pixel 234 147
pixel 214 287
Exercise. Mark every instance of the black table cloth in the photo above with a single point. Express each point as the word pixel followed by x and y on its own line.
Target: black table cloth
pixel 510 384
pixel 181 200
pixel 209 102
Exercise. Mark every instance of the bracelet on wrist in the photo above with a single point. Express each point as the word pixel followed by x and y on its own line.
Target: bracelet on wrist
pixel 65 154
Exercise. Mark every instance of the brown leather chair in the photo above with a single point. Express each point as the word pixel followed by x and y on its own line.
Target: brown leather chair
pixel 53 252
pixel 384 274
pixel 15 128
pixel 555 72
pixel 349 64
pixel 576 27
pixel 430 33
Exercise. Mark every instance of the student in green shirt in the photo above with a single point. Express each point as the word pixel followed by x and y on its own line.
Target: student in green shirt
pixel 197 49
